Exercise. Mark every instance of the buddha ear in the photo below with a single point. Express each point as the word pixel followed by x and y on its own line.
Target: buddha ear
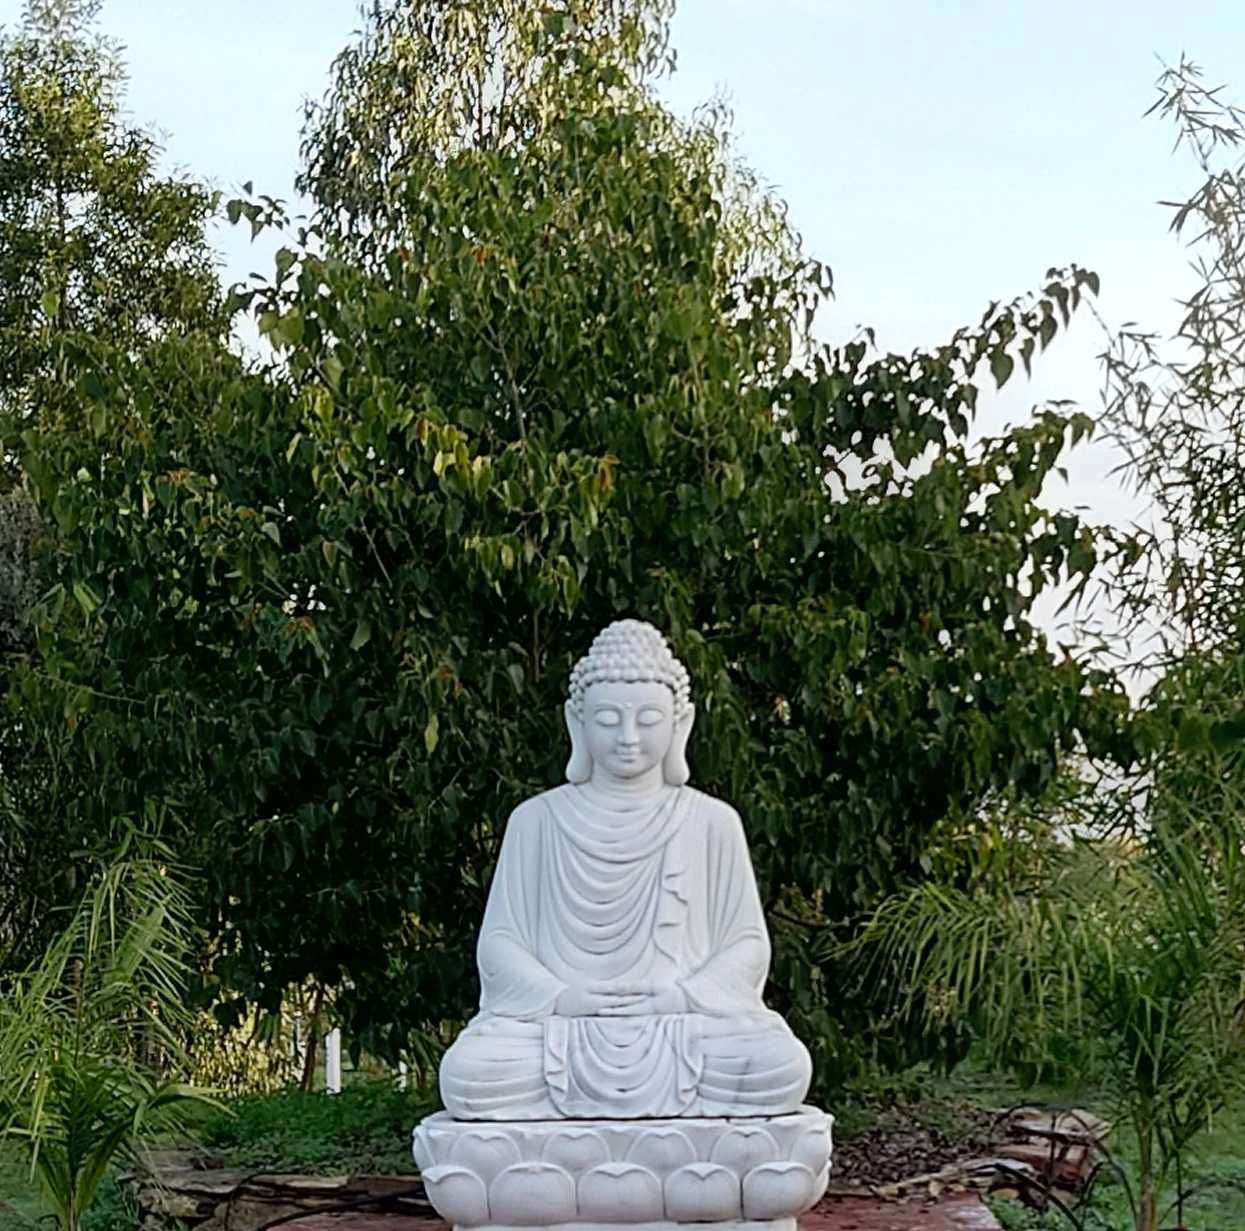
pixel 674 768
pixel 579 767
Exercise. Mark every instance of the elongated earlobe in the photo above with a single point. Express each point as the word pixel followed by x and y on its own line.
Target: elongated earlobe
pixel 675 769
pixel 579 767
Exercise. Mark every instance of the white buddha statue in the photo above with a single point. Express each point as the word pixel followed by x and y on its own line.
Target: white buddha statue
pixel 624 951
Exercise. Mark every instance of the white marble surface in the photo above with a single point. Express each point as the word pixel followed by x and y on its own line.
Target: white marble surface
pixel 659 902
pixel 623 1069
pixel 624 950
pixel 761 1170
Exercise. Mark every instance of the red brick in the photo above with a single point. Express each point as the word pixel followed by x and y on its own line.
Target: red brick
pixel 961 1212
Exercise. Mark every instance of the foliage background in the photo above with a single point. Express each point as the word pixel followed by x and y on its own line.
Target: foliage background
pixel 313 613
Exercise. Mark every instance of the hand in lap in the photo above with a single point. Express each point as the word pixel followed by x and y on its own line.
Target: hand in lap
pixel 607 999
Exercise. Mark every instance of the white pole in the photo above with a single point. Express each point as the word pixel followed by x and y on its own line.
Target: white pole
pixel 333 1061
pixel 298 1046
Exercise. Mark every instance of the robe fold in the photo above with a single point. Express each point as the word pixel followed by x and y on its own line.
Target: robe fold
pixel 663 894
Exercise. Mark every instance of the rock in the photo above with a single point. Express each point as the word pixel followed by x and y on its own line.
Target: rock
pixel 331 1184
pixel 237 1200
pixel 170 1204
pixel 1074 1126
pixel 209 1184
pixel 249 1214
pixel 1061 1164
pixel 981 1174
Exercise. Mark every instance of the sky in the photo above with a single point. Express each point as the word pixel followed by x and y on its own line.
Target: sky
pixel 937 154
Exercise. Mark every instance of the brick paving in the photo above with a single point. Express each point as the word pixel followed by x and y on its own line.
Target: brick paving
pixel 960 1212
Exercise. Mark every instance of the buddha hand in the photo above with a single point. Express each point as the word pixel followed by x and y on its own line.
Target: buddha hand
pixel 603 999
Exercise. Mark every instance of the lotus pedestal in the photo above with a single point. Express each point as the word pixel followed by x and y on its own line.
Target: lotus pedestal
pixel 754 1173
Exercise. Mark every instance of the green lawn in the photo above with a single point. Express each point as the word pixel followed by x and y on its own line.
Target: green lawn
pixel 19 1202
pixel 1216 1178
pixel 365 1129
pixel 1215 1175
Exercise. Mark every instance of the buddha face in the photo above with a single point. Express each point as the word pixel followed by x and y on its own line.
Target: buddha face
pixel 628 727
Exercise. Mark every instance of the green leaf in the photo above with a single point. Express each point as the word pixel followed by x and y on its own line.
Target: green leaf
pixel 288 329
pixel 86 597
pixel 1001 365
pixel 362 635
pixel 1194 733
pixel 431 730
pixel 90 385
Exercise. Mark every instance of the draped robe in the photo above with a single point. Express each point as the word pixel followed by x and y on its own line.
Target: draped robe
pixel 663 893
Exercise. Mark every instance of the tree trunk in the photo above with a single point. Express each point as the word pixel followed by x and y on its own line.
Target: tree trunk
pixel 308 1082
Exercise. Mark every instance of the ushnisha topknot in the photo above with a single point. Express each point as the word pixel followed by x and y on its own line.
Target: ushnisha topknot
pixel 631 651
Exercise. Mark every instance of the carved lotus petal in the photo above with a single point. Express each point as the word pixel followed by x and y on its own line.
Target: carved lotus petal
pixel 820 1184
pixel 532 1195
pixel 662 1150
pixel 457 1194
pixel 812 1148
pixel 620 1193
pixel 702 1192
pixel 778 1190
pixel 431 1146
pixel 576 1149
pixel 487 1152
pixel 743 1148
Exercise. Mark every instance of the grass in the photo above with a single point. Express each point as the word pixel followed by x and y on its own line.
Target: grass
pixel 22 1208
pixel 365 1128
pixel 20 1205
pixel 1215 1177
pixel 1214 1180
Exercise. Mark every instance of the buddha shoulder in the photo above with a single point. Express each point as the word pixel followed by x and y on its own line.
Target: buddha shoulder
pixel 715 812
pixel 709 810
pixel 531 812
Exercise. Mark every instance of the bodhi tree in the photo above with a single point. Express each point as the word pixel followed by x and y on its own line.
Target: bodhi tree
pixel 558 367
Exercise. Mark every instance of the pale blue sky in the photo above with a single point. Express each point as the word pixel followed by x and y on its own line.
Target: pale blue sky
pixel 938 154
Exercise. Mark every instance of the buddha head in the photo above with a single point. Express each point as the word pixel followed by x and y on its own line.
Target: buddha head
pixel 629 708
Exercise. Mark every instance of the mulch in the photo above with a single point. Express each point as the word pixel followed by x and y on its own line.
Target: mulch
pixel 895 1152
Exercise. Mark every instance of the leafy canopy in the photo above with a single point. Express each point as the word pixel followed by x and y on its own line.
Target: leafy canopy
pixel 95 241
pixel 558 374
pixel 92 236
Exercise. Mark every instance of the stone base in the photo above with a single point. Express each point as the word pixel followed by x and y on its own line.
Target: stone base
pixel 755 1173
pixel 773 1224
